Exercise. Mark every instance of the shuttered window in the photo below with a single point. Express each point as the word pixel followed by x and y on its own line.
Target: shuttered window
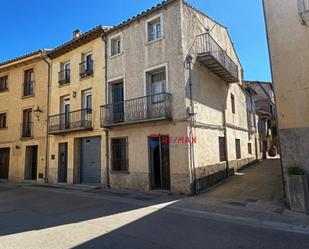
pixel 119 154
pixel 233 103
pixel 222 151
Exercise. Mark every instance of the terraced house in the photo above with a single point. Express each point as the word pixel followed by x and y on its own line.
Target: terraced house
pixel 173 72
pixel 77 90
pixel 23 114
pixel 155 103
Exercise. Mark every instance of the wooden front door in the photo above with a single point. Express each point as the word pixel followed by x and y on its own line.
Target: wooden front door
pixel 4 163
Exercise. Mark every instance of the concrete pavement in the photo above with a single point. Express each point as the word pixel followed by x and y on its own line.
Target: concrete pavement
pixel 38 217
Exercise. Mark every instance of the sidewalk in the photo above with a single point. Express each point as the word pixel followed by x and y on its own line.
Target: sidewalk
pixel 255 194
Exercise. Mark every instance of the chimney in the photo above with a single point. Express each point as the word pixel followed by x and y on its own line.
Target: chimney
pixel 76 33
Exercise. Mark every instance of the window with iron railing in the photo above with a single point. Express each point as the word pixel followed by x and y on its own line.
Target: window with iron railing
pixel 28 87
pixel 86 66
pixel 64 74
pixel 119 154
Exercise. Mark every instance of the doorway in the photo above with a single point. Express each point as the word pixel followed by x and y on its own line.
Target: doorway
pixel 117 99
pixel 159 162
pixel 62 162
pixel 4 163
pixel 31 161
pixel 90 172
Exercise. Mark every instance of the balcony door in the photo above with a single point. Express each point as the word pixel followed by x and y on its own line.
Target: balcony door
pixel 27 123
pixel 156 87
pixel 65 113
pixel 117 99
pixel 87 106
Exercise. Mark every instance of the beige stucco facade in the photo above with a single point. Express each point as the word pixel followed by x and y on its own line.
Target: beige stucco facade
pixel 140 86
pixel 289 61
pixel 13 103
pixel 74 91
pixel 211 97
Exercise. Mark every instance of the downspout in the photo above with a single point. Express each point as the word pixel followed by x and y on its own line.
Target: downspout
pixel 106 130
pixel 47 120
pixel 195 188
pixel 255 128
pixel 227 166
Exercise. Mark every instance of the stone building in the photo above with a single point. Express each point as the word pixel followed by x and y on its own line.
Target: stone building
pixel 23 115
pixel 267 120
pixel 287 23
pixel 173 75
pixel 157 102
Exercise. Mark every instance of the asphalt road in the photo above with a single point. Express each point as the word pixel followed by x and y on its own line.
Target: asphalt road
pixel 33 217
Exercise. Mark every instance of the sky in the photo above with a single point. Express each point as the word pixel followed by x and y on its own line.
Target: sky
pixel 29 25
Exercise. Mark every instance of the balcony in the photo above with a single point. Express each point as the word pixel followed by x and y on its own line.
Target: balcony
pixel 28 89
pixel 64 77
pixel 143 109
pixel 26 130
pixel 86 68
pixel 212 55
pixel 71 121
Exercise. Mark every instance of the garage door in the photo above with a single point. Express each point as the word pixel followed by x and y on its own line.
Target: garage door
pixel 4 163
pixel 91 160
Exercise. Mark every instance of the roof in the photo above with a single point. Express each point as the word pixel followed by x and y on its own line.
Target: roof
pixel 141 15
pixel 77 42
pixel 22 57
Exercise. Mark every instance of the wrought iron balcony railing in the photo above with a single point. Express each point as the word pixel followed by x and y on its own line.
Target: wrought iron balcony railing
pixel 86 68
pixel 28 88
pixel 210 53
pixel 70 121
pixel 26 129
pixel 64 76
pixel 148 108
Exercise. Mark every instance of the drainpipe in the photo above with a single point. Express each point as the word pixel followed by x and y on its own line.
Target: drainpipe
pixel 195 189
pixel 106 130
pixel 255 128
pixel 47 120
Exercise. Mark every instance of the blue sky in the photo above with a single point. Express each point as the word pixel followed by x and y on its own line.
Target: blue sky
pixel 28 25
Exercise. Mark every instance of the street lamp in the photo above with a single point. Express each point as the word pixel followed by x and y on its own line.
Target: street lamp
pixel 37 112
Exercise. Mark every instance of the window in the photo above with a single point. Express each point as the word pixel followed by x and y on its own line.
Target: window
pixel 233 103
pixel 27 123
pixel 154 29
pixel 116 46
pixel 64 74
pixel 222 152
pixel 86 66
pixel 250 148
pixel 3 120
pixel 87 105
pixel 156 84
pixel 4 83
pixel 119 154
pixel 238 151
pixel 28 83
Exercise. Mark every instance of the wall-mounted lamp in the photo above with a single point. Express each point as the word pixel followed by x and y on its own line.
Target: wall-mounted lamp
pixel 17 146
pixel 37 112
pixel 74 93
